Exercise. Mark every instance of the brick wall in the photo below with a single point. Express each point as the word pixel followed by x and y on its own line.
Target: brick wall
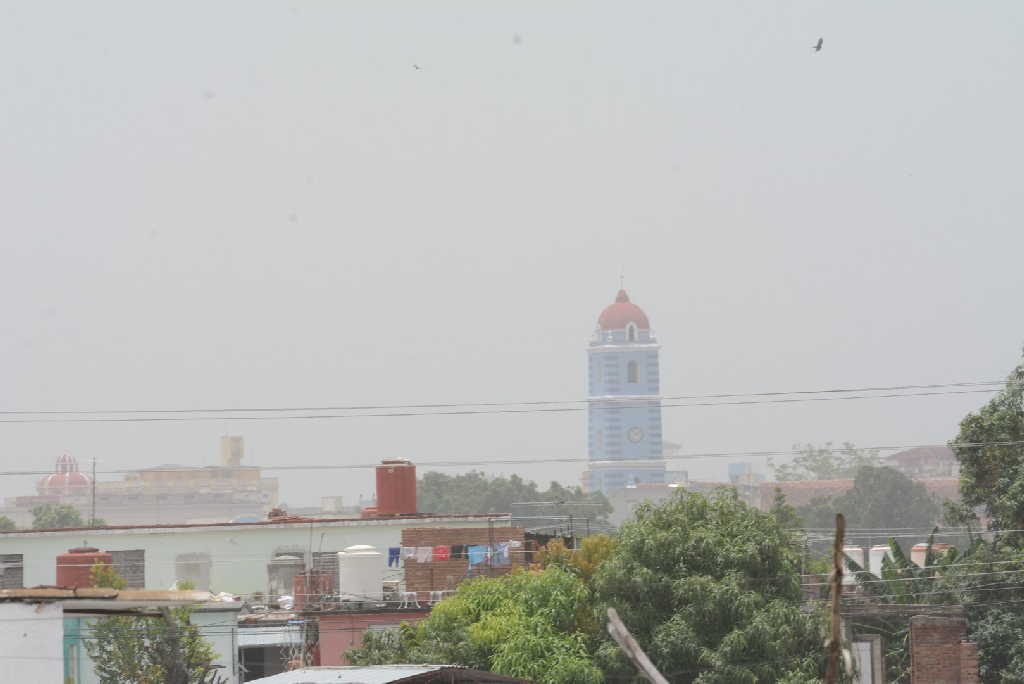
pixel 445 575
pixel 969 672
pixel 939 652
pixel 340 632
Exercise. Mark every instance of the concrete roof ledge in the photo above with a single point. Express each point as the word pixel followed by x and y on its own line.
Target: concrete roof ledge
pixel 105 594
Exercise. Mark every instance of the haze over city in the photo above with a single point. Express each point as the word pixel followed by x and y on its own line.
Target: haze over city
pixel 313 204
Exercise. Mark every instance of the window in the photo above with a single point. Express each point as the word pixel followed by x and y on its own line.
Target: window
pixel 632 372
pixel 631 332
pixel 131 565
pixel 11 571
pixel 193 568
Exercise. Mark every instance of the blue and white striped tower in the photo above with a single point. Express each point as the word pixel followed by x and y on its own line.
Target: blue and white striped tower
pixel 624 412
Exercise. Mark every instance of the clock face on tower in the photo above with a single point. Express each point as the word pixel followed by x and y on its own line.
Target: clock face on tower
pixel 635 434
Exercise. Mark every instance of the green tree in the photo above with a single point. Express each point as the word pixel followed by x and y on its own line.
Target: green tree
pixel 52 516
pixel 881 498
pixel 475 492
pixel 992 470
pixel 711 590
pixel 825 462
pixel 526 624
pixel 147 650
pixel 583 562
pixel 987 579
pixel 6 524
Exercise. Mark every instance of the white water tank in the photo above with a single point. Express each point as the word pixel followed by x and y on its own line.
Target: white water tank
pixel 875 556
pixel 360 573
pixel 856 554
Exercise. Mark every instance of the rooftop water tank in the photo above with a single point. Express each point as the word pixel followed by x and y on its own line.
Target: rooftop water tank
pixel 74 567
pixel 875 556
pixel 360 574
pixel 281 572
pixel 396 488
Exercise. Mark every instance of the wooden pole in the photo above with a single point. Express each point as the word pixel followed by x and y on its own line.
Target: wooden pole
pixel 632 649
pixel 835 644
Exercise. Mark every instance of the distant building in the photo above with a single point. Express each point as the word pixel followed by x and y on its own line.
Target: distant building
pixel 802 492
pixel 624 410
pixel 240 557
pixel 162 494
pixel 926 461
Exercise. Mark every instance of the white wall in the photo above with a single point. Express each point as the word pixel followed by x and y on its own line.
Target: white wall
pixel 32 642
pixel 239 553
pixel 220 628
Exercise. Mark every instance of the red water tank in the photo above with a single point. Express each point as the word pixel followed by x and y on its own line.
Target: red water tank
pixel 396 488
pixel 73 567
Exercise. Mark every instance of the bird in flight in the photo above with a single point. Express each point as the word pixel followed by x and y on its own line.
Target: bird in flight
pixel 817 48
pixel 416 67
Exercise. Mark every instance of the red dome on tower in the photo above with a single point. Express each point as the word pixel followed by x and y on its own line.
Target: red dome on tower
pixel 623 312
pixel 64 478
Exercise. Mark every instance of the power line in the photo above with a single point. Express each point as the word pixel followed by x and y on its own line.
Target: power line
pixel 534 461
pixel 484 408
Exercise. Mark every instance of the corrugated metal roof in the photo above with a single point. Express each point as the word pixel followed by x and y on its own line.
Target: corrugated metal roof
pixel 375 674
pixel 385 674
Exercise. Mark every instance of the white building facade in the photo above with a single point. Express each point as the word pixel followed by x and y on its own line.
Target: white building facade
pixel 229 557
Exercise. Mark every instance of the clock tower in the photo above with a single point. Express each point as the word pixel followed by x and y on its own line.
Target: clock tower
pixel 624 400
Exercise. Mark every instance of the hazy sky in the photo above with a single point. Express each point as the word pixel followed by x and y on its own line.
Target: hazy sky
pixel 224 204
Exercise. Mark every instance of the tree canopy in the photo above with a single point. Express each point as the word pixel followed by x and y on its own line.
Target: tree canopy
pixel 6 524
pixel 475 492
pixel 53 516
pixel 991 453
pixel 527 624
pixel 825 462
pixel 710 588
pixel 881 498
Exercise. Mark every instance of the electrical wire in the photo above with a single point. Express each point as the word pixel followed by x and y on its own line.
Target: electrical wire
pixel 610 403
pixel 532 461
pixel 495 404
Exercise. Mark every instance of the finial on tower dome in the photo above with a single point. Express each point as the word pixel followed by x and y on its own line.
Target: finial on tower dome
pixel 622 297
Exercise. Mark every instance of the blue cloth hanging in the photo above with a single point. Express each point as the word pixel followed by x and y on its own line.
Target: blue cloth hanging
pixel 477 555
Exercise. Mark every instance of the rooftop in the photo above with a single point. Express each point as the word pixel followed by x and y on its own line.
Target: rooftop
pixel 276 522
pixel 388 674
pixel 103 600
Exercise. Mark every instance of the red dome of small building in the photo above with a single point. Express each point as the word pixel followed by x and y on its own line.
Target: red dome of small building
pixel 623 312
pixel 65 477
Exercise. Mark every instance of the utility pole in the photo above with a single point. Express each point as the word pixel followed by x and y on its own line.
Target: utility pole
pixel 834 645
pixel 92 513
